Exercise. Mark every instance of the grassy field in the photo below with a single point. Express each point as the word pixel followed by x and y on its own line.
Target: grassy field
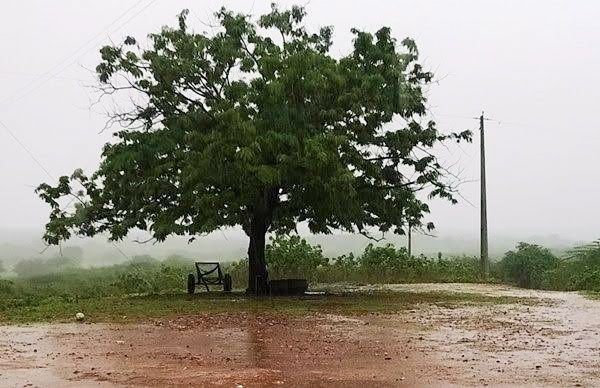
pixel 56 289
pixel 139 307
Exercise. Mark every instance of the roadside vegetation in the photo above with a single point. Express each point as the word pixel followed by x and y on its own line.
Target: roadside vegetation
pixel 532 266
pixel 56 288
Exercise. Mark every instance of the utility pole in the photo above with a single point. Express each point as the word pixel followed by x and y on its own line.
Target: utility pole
pixel 484 230
pixel 409 240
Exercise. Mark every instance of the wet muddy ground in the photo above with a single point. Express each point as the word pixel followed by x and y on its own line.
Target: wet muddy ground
pixel 555 342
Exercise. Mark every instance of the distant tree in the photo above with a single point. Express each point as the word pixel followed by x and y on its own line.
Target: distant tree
pixel 38 267
pixel 258 125
pixel 2 268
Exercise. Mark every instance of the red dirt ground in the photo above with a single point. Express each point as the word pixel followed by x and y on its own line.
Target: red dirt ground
pixel 224 350
pixel 550 344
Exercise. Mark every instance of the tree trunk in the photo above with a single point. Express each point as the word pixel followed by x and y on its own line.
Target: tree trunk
pixel 257 266
pixel 259 223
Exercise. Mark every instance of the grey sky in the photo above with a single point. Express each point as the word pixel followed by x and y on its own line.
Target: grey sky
pixel 531 65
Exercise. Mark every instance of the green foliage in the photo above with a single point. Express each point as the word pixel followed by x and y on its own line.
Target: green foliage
pixel 526 266
pixel 579 271
pixel 238 271
pixel 2 268
pixel 259 125
pixel 6 287
pixel 152 276
pixel 293 257
pixel 461 269
pixel 387 261
pixel 135 282
pixel 533 266
pixel 341 268
pixel 106 291
pixel 386 264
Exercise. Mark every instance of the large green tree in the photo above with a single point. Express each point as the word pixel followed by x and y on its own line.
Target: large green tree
pixel 258 125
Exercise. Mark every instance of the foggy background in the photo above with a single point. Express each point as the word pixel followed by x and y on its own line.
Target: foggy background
pixel 531 65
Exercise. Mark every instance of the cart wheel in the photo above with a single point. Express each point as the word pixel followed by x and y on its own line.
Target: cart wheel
pixel 227 283
pixel 191 284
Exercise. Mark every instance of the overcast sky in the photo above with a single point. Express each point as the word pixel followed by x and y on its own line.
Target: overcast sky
pixel 531 65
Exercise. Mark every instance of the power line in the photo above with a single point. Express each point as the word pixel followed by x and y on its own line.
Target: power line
pixel 32 86
pixel 530 125
pixel 45 170
pixel 465 117
pixel 31 155
pixel 123 253
pixel 51 73
pixel 13 74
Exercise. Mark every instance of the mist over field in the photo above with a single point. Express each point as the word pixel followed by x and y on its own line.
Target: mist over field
pixel 232 245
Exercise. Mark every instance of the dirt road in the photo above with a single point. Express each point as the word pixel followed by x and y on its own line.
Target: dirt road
pixel 551 343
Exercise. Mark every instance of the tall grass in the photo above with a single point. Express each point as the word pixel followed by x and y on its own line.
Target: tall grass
pixel 293 257
pixel 72 284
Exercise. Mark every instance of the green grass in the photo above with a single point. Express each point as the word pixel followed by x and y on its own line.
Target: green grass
pixel 139 308
pixel 594 295
pixel 55 289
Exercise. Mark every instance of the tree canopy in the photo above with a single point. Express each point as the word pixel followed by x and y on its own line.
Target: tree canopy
pixel 258 125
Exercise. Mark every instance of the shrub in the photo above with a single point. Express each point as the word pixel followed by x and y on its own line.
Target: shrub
pixel 293 257
pixel 152 276
pixel 528 265
pixel 386 263
pixel 463 269
pixel 580 270
pixel 134 283
pixel 341 268
pixel 7 287
pixel 238 271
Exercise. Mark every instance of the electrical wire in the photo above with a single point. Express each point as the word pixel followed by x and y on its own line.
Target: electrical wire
pixel 52 73
pixel 45 170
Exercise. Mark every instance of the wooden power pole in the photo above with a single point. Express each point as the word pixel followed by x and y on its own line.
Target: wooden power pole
pixel 409 240
pixel 484 230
